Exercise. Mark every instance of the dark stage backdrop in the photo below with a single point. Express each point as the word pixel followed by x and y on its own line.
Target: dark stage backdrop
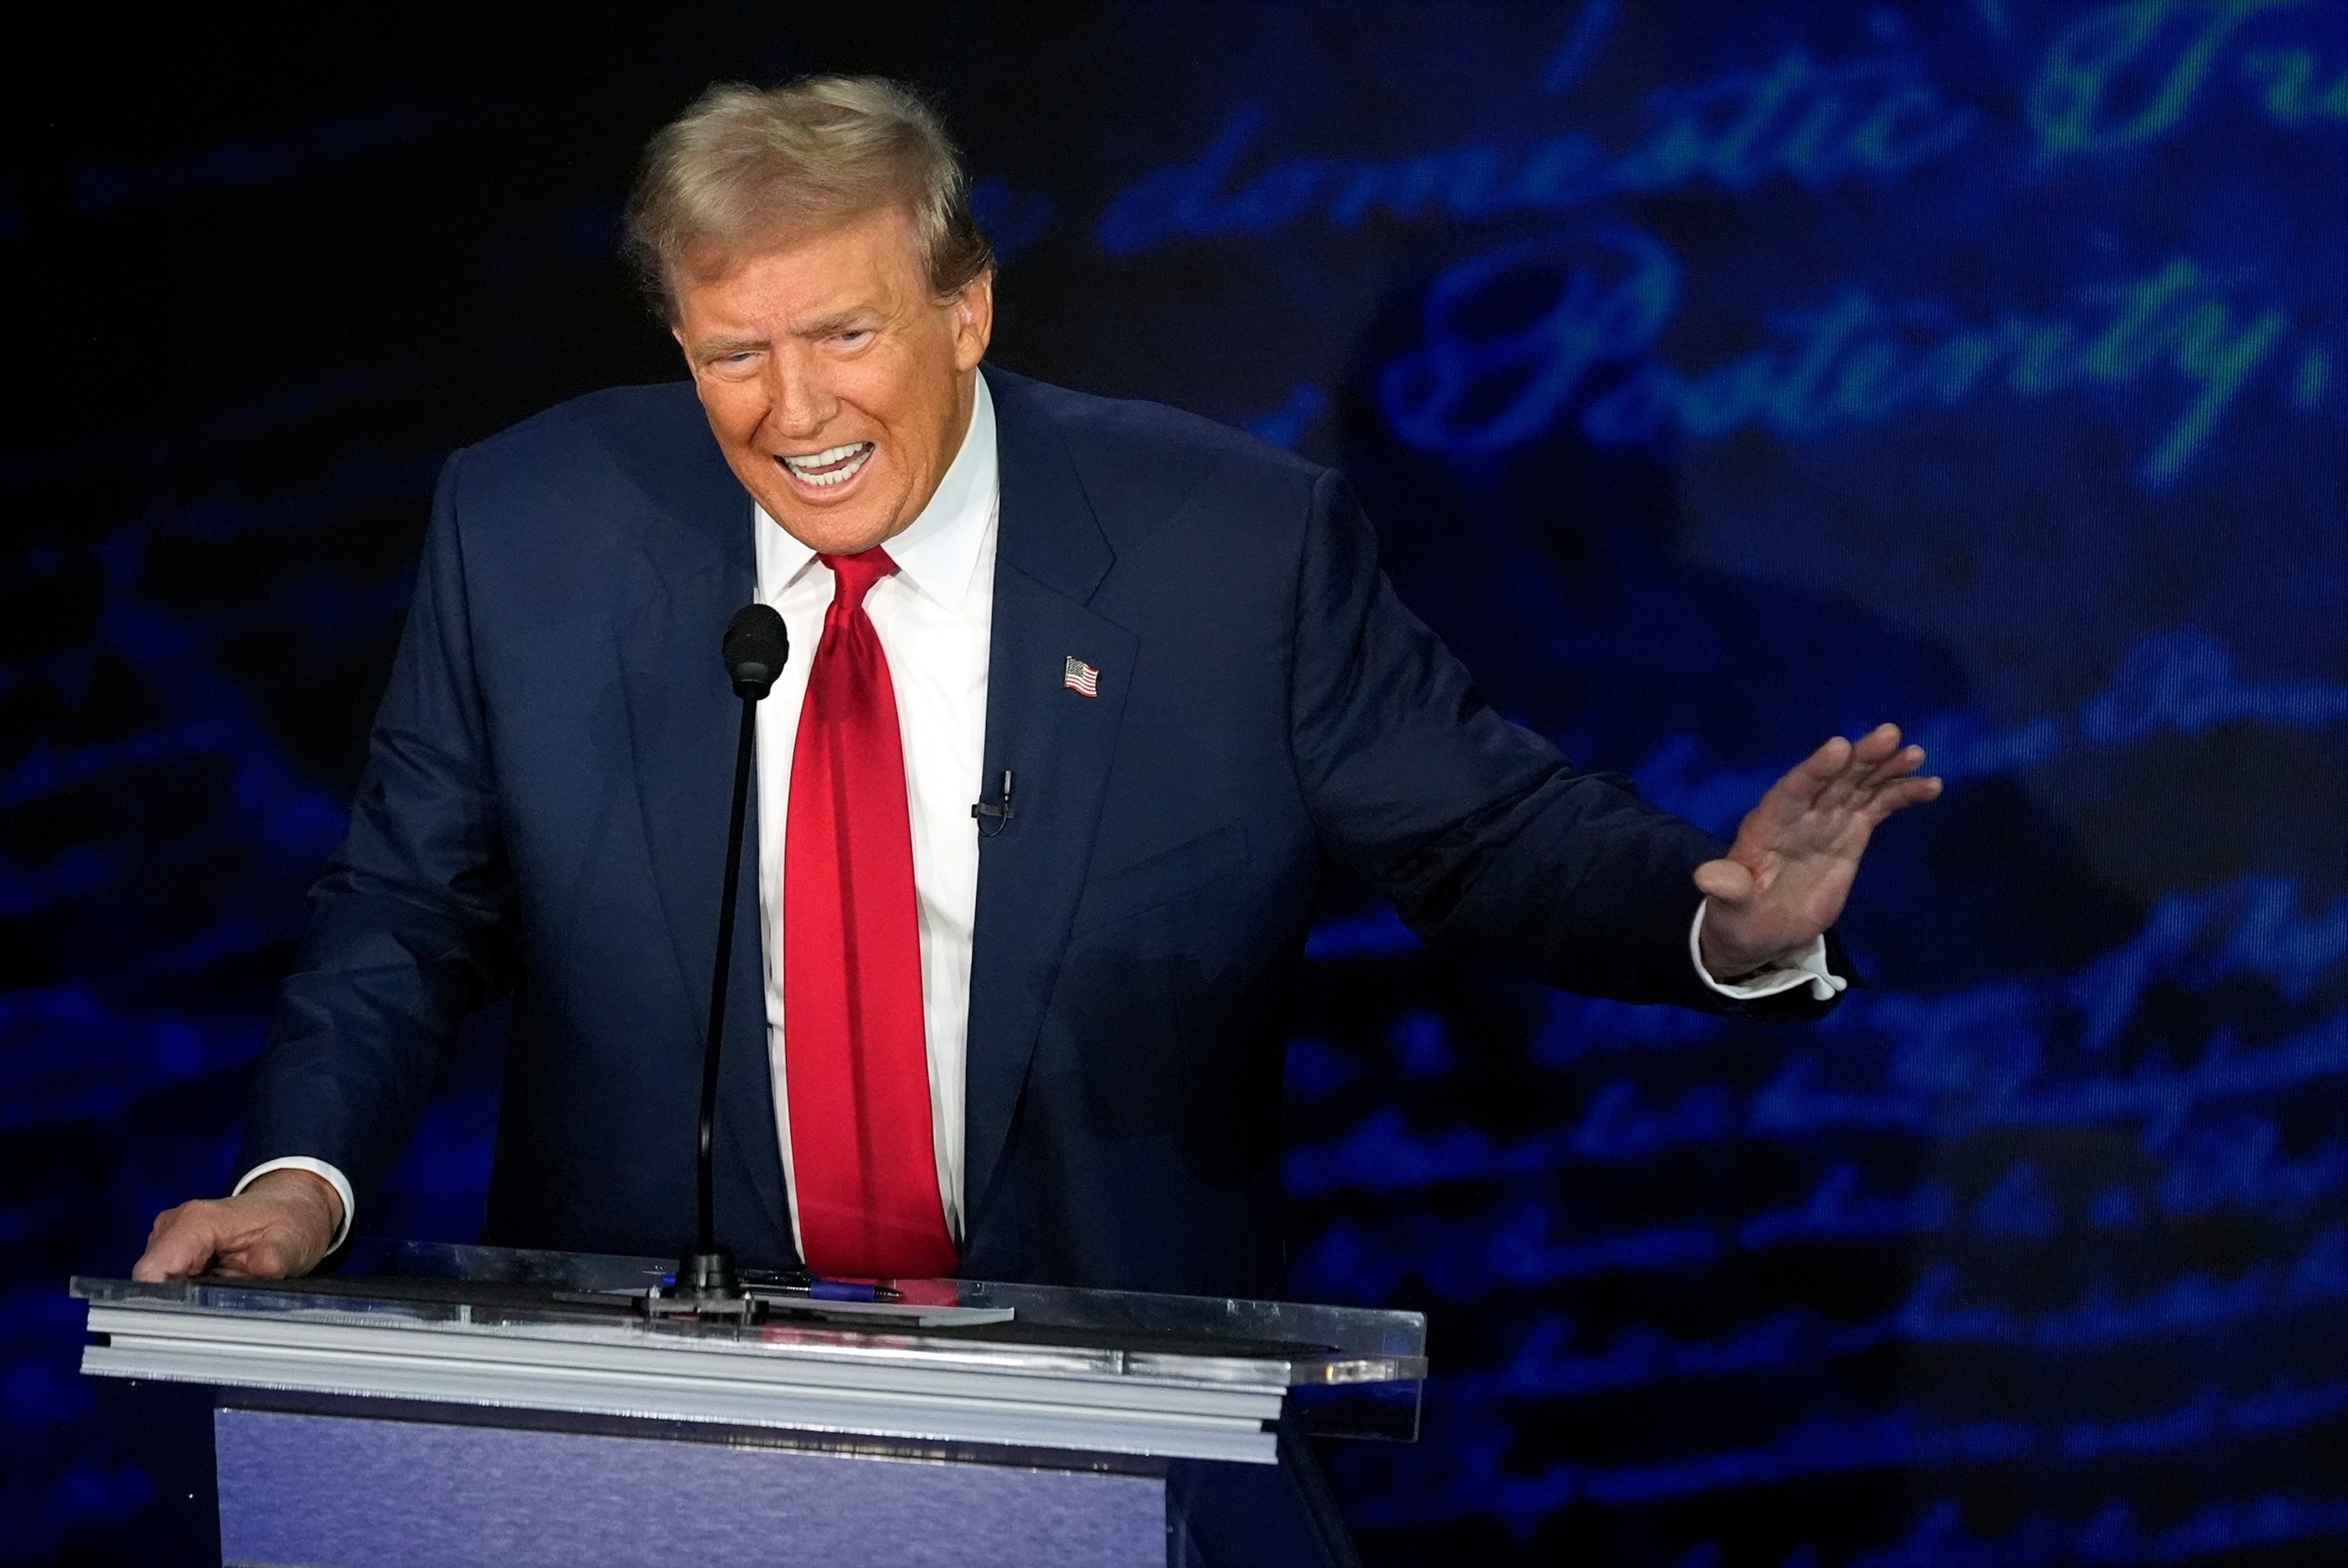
pixel 1719 375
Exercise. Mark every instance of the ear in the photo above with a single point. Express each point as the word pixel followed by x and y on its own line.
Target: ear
pixel 974 310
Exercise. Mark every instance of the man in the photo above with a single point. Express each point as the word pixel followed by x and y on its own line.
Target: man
pixel 1035 1040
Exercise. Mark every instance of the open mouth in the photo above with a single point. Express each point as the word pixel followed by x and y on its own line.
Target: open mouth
pixel 833 465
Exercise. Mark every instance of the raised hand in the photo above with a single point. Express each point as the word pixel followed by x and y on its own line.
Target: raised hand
pixel 1785 879
pixel 279 1225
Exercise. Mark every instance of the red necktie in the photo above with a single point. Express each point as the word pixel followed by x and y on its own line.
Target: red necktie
pixel 858 1069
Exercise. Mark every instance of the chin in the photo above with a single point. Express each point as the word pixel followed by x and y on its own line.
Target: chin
pixel 832 533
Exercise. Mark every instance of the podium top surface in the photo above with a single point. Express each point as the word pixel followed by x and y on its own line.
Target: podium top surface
pixel 955 1361
pixel 585 1296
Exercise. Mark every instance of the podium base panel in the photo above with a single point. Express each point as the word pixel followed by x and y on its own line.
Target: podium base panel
pixel 303 1490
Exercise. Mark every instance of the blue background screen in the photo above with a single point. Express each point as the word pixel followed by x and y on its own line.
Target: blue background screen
pixel 1719 376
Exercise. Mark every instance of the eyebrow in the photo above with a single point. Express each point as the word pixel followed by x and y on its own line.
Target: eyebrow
pixel 824 326
pixel 821 326
pixel 717 345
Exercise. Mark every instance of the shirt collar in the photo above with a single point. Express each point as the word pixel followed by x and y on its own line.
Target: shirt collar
pixel 938 555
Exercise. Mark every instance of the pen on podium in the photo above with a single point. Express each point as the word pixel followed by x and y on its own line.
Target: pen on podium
pixel 799 1282
pixel 845 1290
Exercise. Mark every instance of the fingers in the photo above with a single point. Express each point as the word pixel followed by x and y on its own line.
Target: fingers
pixel 1878 745
pixel 271 1256
pixel 1871 756
pixel 1825 765
pixel 1729 891
pixel 263 1259
pixel 1870 763
pixel 269 1232
pixel 1890 782
pixel 183 1243
pixel 1726 880
pixel 1876 760
pixel 1800 789
pixel 1843 787
pixel 1900 794
pixel 1840 767
pixel 1899 765
pixel 1865 797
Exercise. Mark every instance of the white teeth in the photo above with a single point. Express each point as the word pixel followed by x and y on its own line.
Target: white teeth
pixel 851 458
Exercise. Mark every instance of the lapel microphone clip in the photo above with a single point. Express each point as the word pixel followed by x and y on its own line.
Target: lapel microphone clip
pixel 993 819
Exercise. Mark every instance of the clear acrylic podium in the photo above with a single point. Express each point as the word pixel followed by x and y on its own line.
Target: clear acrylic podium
pixel 477 1405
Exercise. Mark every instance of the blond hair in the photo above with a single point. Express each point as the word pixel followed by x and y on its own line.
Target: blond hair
pixel 743 169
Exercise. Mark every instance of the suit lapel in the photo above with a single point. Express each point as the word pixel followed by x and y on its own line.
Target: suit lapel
pixel 1050 557
pixel 682 721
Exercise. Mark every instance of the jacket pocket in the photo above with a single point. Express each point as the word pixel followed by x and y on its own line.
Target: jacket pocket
pixel 1146 884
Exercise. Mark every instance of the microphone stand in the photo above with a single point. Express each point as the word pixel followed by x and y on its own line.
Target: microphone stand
pixel 707 1283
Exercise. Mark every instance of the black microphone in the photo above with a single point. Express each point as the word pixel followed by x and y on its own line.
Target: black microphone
pixel 756 648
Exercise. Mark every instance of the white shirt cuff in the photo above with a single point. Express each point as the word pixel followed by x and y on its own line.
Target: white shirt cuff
pixel 319 1168
pixel 1808 966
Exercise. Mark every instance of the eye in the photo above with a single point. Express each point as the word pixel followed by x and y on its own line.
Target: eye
pixel 854 337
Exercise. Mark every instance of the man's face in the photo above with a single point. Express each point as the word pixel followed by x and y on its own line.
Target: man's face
pixel 839 386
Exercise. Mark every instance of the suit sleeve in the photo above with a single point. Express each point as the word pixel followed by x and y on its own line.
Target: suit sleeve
pixel 1483 835
pixel 413 924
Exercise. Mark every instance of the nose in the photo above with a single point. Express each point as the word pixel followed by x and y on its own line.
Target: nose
pixel 800 404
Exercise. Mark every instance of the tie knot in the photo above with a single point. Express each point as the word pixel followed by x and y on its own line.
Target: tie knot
pixel 853 576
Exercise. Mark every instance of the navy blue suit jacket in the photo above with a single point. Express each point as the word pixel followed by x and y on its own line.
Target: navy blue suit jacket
pixel 543 812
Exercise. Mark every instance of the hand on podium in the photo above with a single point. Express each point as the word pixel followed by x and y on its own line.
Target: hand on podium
pixel 279 1225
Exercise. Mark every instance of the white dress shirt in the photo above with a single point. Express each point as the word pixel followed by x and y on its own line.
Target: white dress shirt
pixel 934 618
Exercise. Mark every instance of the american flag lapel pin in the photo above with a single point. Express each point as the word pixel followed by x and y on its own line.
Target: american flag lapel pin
pixel 1081 678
